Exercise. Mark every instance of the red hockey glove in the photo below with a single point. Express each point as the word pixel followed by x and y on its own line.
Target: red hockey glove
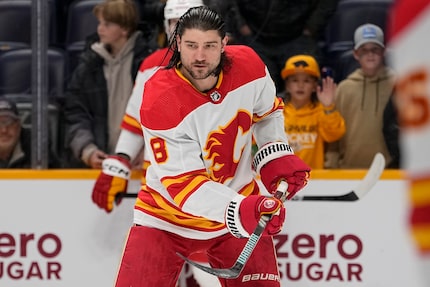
pixel 112 180
pixel 243 213
pixel 276 162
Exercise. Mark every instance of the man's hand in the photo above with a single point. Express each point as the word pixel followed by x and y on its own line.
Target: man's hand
pixel 243 214
pixel 276 162
pixel 113 179
pixel 96 159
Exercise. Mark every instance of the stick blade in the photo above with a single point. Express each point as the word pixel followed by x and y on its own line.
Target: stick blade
pixel 222 273
pixel 370 179
pixel 372 176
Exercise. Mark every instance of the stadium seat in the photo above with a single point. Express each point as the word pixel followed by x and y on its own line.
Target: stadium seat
pixel 15 72
pixel 7 46
pixel 81 23
pixel 339 34
pixel 15 84
pixel 346 64
pixel 80 20
pixel 16 23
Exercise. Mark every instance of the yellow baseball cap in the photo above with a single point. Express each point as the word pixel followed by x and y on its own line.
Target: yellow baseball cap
pixel 301 63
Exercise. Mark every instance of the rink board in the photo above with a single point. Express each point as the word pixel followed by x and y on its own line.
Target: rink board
pixel 51 234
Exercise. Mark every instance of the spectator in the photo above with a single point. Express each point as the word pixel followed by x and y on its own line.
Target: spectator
pixel 361 98
pixel 101 84
pixel 15 140
pixel 311 118
pixel 151 15
pixel 390 130
pixel 152 11
pixel 279 29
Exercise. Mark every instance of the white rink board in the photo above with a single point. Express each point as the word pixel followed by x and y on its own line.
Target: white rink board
pixel 51 234
pixel 336 244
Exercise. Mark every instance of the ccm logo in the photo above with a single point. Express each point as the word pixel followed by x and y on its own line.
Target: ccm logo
pixel 116 169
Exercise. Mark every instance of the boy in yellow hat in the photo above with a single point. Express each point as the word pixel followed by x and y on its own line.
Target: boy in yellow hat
pixel 311 118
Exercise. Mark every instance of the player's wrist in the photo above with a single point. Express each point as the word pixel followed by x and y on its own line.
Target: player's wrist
pixel 123 156
pixel 232 217
pixel 117 166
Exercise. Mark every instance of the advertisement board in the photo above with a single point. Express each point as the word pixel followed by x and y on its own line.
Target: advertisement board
pixel 51 234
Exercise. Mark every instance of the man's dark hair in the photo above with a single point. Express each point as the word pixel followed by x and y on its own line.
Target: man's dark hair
pixel 202 18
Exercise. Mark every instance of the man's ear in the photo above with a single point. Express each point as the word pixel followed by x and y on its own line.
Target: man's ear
pixel 224 42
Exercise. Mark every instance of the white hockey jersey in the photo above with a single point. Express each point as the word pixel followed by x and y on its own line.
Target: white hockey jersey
pixel 200 144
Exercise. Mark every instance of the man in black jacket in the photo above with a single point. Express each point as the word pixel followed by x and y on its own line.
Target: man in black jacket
pixel 279 29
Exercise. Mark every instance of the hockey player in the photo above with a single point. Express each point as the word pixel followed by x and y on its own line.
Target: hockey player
pixel 198 117
pixel 409 43
pixel 130 143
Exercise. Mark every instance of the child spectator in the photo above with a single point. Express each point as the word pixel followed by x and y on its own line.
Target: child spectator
pixel 361 98
pixel 101 84
pixel 311 118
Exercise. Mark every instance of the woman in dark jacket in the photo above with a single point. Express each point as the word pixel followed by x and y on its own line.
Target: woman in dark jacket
pixel 101 84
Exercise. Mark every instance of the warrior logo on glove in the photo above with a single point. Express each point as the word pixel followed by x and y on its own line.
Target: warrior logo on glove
pixel 269 152
pixel 276 162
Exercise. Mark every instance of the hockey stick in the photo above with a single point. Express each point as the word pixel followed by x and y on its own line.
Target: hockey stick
pixel 370 179
pixel 365 185
pixel 236 269
pixel 372 176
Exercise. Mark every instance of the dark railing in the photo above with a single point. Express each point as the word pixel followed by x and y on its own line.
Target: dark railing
pixel 39 82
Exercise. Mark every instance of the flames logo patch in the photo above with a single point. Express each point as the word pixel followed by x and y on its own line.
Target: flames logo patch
pixel 225 146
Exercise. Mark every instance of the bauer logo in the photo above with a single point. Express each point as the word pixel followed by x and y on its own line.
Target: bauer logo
pixel 29 256
pixel 325 258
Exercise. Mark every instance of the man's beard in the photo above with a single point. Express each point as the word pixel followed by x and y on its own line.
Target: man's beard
pixel 200 76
